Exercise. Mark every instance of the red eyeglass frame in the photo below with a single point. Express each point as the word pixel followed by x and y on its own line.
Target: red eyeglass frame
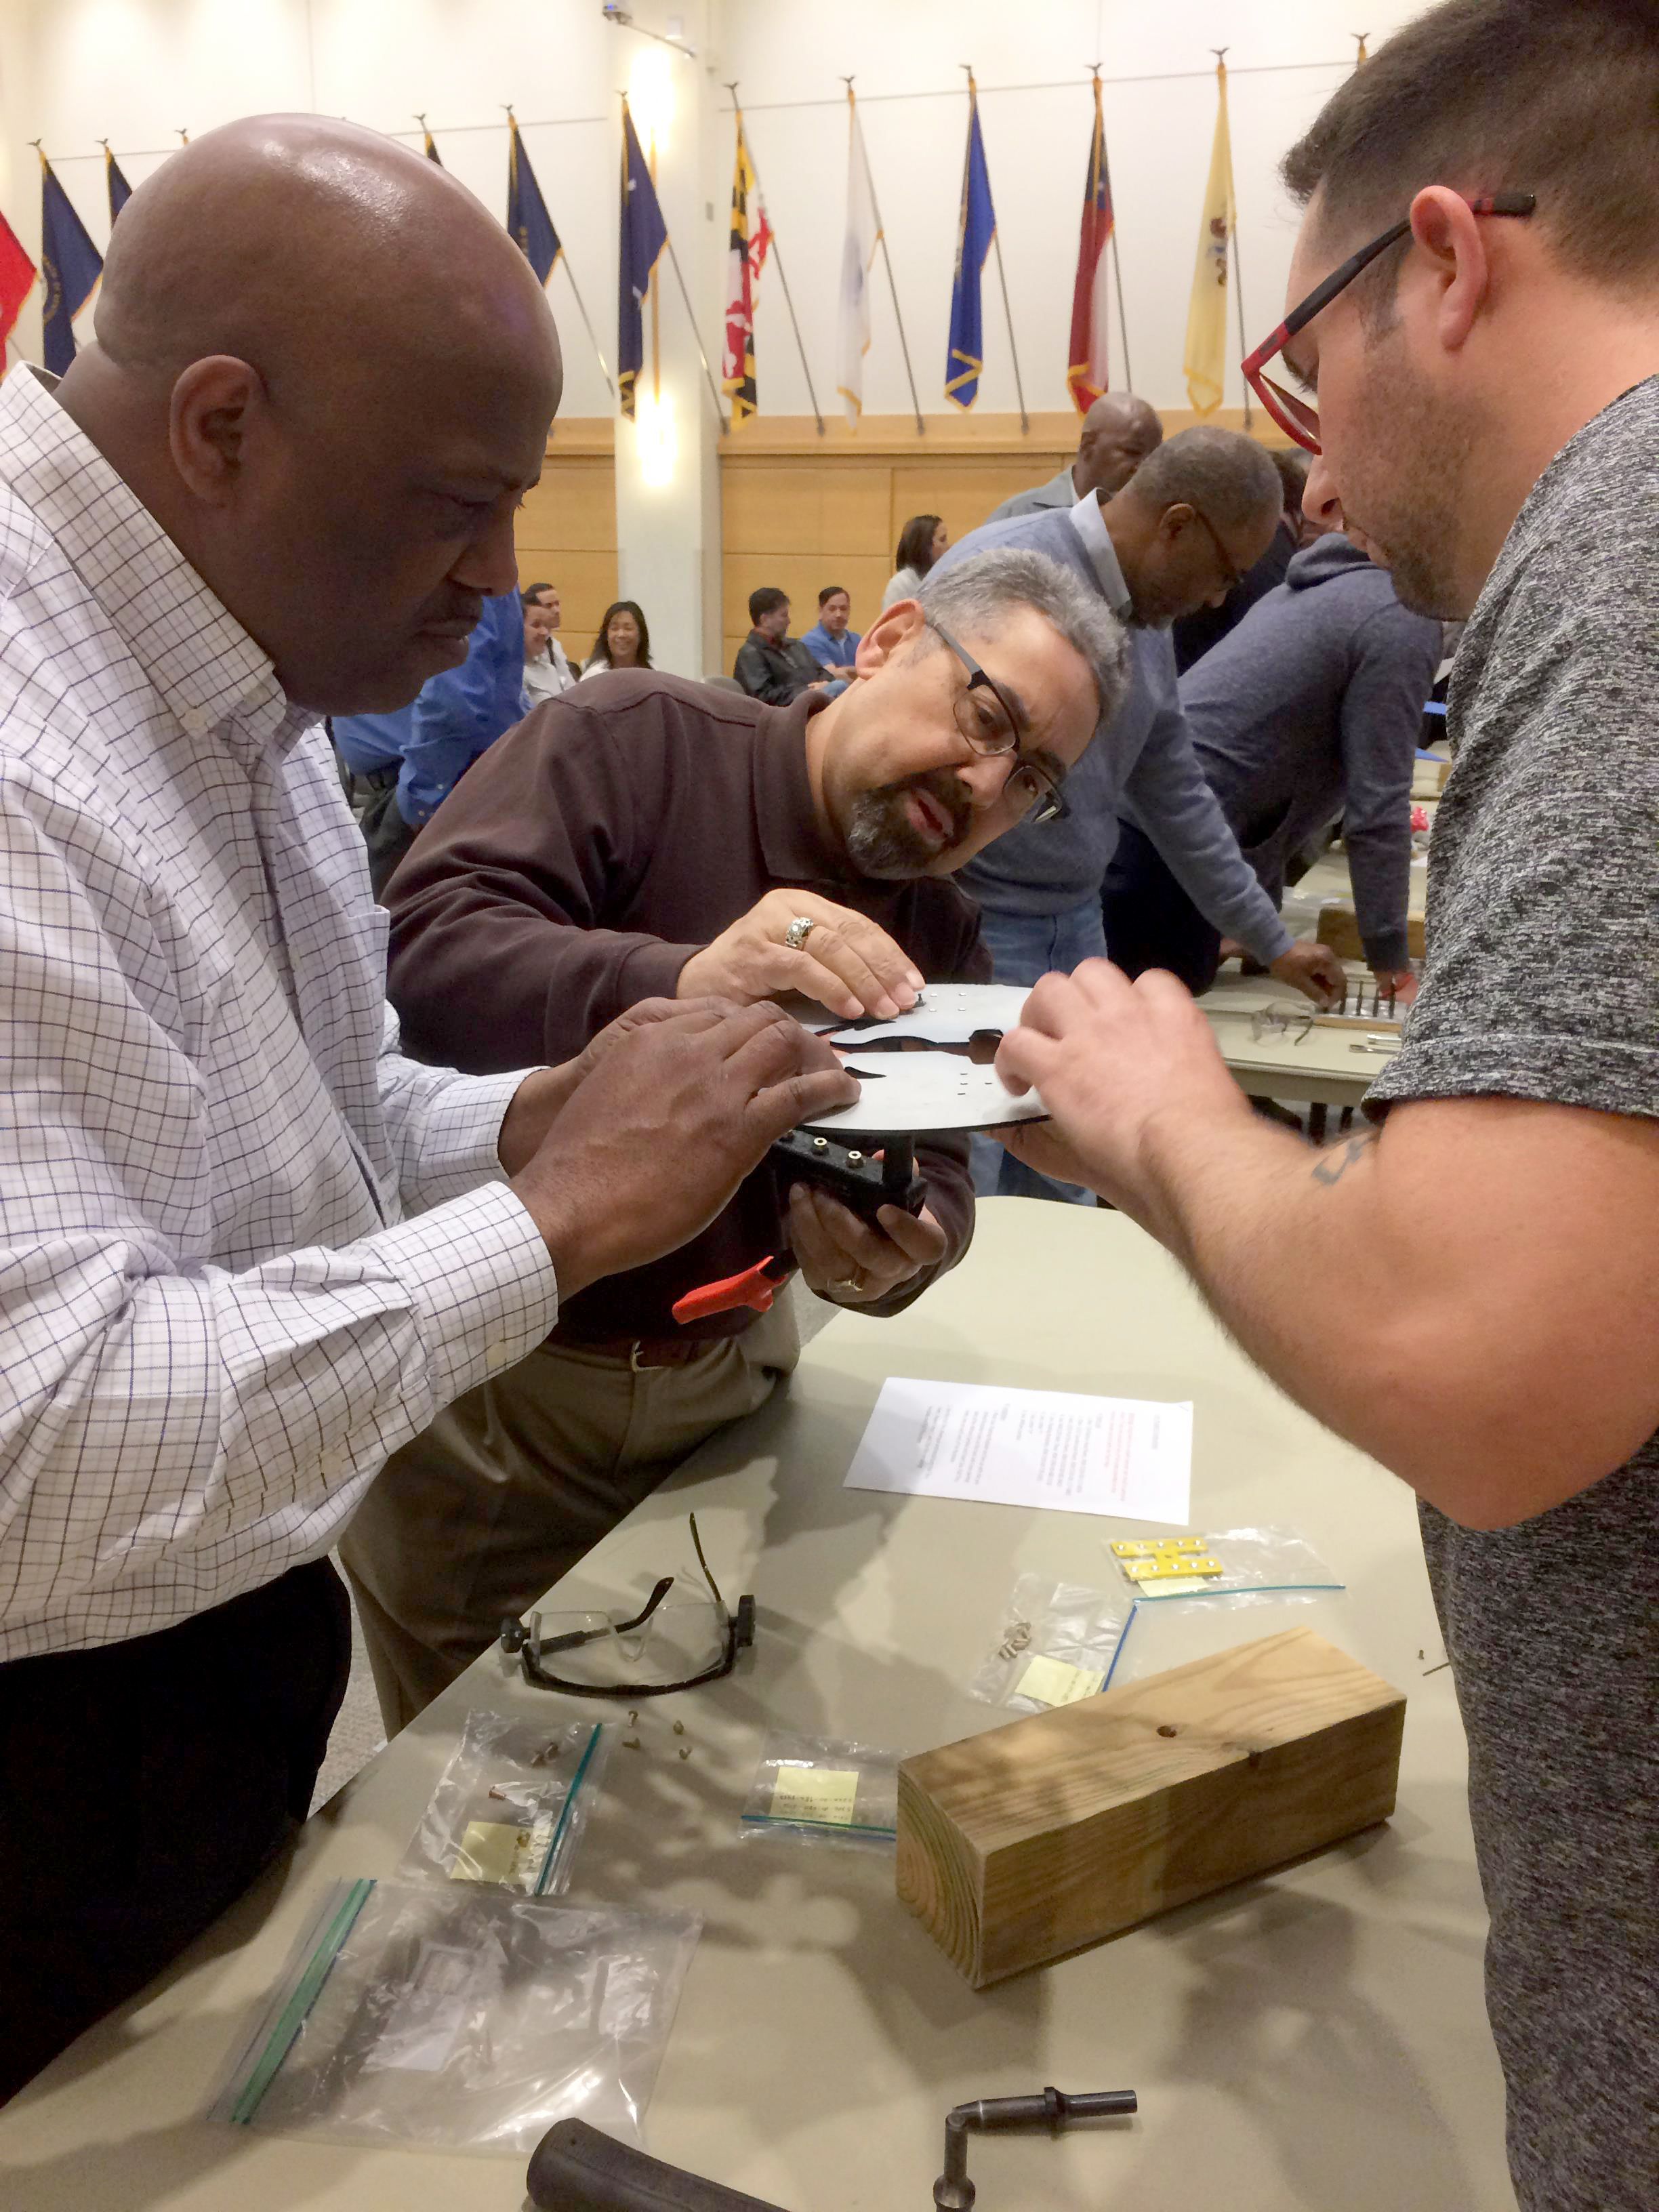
pixel 1293 416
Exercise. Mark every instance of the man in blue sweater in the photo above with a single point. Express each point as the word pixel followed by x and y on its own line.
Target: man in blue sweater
pixel 1195 515
pixel 413 759
pixel 1310 708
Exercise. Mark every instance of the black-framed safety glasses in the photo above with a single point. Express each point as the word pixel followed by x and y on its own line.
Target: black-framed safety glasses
pixel 1232 574
pixel 989 725
pixel 682 1637
pixel 1294 416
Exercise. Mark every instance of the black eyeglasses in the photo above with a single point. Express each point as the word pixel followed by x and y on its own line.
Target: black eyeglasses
pixel 990 724
pixel 1234 576
pixel 662 1648
pixel 1294 417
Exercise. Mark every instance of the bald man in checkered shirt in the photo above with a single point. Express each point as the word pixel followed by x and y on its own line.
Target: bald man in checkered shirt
pixel 247 1250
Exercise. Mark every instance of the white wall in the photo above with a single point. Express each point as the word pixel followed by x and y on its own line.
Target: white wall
pixel 133 70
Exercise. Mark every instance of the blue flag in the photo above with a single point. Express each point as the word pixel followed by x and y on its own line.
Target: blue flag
pixel 977 226
pixel 120 191
pixel 644 234
pixel 71 265
pixel 527 219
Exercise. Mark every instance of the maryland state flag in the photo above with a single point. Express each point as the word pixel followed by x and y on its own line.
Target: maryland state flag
pixel 644 234
pixel 120 191
pixel 1086 377
pixel 528 222
pixel 1207 315
pixel 745 262
pixel 71 265
pixel 976 227
pixel 17 275
pixel 429 146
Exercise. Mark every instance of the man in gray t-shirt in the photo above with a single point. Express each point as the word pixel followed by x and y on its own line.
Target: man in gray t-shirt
pixel 1488 411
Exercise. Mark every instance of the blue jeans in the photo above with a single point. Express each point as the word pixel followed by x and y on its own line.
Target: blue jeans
pixel 1023 947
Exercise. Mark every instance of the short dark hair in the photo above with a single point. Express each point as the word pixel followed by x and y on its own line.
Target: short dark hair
pixel 1293 466
pixel 916 545
pixel 602 651
pixel 1226 475
pixel 531 594
pixel 1555 97
pixel 829 592
pixel 766 601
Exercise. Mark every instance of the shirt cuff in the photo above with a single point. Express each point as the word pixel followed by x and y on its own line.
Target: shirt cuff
pixel 1267 945
pixel 460 1132
pixel 650 970
pixel 1386 951
pixel 480 1283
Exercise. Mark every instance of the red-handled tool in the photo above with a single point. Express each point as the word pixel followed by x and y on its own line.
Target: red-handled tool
pixel 756 1286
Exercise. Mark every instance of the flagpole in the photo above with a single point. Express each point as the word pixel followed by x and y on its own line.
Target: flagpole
pixel 707 374
pixel 1117 259
pixel 777 255
pixel 1007 312
pixel 593 338
pixel 887 260
pixel 1220 54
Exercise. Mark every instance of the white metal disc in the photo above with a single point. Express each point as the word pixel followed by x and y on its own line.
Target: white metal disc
pixel 908 1093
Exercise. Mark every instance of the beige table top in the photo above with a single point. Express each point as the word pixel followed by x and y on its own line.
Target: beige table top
pixel 1318 1063
pixel 1314 2039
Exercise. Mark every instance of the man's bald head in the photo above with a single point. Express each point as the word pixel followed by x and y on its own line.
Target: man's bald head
pixel 329 373
pixel 1118 433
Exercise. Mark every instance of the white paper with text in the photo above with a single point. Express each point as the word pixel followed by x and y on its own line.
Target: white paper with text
pixel 1129 1457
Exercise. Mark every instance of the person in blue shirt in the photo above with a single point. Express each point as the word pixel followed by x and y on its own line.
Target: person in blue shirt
pixel 413 759
pixel 829 642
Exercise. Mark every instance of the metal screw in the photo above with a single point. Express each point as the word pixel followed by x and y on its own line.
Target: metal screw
pixel 679 1728
pixel 685 1751
pixel 632 1743
pixel 632 1719
pixel 820 1144
pixel 855 1159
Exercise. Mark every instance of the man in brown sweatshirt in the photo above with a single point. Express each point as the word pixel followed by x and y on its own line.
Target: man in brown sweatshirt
pixel 647 836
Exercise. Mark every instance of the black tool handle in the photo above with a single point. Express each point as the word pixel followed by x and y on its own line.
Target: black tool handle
pixel 574 2169
pixel 850 1172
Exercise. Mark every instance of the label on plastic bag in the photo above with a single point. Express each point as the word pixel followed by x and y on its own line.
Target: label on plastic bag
pixel 816 1793
pixel 501 1851
pixel 1053 1682
pixel 431 2012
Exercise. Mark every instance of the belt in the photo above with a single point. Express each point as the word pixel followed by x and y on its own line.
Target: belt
pixel 643 1352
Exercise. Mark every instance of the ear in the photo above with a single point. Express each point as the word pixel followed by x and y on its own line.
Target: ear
pixel 214 405
pixel 1459 272
pixel 894 627
pixel 1175 521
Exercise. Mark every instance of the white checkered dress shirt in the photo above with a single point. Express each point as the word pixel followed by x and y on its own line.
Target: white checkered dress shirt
pixel 215 1321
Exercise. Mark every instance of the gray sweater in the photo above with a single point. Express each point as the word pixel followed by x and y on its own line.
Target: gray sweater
pixel 1312 708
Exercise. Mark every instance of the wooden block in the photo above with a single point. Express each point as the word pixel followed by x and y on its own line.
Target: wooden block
pixel 1031 1840
pixel 1340 930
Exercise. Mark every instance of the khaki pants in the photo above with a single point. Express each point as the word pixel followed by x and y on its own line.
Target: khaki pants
pixel 482 1513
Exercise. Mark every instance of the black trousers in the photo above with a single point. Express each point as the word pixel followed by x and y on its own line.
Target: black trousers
pixel 143 1786
pixel 385 832
pixel 1150 921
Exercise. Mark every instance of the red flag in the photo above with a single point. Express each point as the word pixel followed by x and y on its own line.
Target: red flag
pixel 17 275
pixel 1086 375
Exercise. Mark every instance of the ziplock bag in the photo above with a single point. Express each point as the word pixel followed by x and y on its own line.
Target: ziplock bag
pixel 511 1805
pixel 820 1789
pixel 1217 1590
pixel 461 2018
pixel 1057 1645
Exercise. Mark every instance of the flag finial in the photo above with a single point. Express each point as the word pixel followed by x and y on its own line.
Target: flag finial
pixel 1359 38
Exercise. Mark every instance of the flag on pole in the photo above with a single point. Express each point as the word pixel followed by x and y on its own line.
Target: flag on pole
pixel 120 191
pixel 429 146
pixel 1207 314
pixel 17 275
pixel 644 234
pixel 528 222
pixel 72 266
pixel 745 259
pixel 977 226
pixel 1361 56
pixel 1086 376
pixel 858 259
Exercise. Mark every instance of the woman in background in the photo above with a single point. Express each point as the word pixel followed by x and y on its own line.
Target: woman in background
pixel 623 640
pixel 923 538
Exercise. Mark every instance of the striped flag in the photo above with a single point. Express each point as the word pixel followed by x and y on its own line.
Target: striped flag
pixel 1086 376
pixel 977 226
pixel 745 261
pixel 858 259
pixel 17 275
pixel 1206 313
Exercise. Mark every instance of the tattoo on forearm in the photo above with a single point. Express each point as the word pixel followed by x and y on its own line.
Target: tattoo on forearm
pixel 1330 1167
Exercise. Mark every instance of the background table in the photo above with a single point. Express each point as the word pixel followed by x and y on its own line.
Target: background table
pixel 1312 2040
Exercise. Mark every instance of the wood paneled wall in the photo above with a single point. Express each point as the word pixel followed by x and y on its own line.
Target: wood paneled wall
pixel 800 511
pixel 566 528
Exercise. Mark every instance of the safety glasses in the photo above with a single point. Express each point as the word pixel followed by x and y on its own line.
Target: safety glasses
pixel 1294 416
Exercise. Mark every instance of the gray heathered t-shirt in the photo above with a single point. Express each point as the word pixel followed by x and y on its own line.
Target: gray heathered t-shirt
pixel 1542 982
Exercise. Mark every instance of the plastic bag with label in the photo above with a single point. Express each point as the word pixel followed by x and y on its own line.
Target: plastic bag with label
pixel 511 1806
